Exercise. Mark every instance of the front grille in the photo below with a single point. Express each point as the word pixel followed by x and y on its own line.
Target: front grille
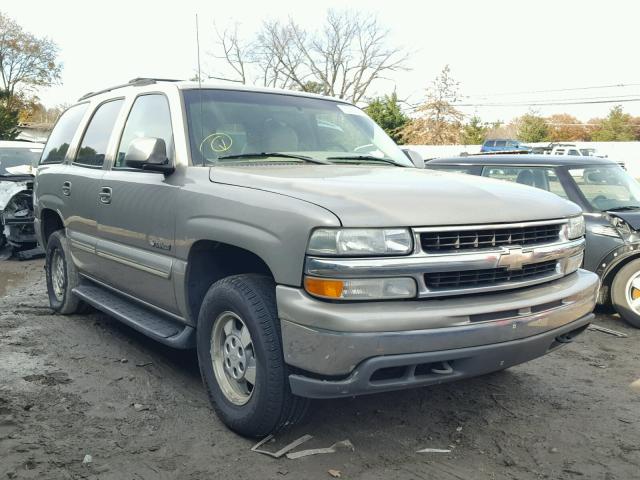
pixel 487 277
pixel 456 240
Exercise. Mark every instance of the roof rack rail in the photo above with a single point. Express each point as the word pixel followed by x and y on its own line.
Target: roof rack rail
pixel 136 82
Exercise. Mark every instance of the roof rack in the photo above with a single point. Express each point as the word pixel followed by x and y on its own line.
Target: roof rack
pixel 136 82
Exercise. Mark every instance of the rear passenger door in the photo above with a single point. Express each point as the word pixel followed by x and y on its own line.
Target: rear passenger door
pixel 137 223
pixel 80 184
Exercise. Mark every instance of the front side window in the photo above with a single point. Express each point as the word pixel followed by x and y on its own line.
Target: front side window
pixel 58 143
pixel 544 178
pixel 149 117
pixel 607 187
pixel 93 147
pixel 230 123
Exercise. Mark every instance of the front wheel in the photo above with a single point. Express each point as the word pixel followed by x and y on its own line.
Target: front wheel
pixel 240 357
pixel 625 293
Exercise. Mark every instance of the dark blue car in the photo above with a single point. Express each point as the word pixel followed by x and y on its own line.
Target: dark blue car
pixel 503 145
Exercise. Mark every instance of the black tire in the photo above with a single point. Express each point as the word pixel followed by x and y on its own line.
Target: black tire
pixel 271 405
pixel 65 303
pixel 619 294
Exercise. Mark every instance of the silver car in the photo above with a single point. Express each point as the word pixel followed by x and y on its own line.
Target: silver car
pixel 289 240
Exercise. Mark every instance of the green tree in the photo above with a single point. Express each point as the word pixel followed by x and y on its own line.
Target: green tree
pixel 616 127
pixel 26 61
pixel 8 118
pixel 474 131
pixel 386 112
pixel 532 128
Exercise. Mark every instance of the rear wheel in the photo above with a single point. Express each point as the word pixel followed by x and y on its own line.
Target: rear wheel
pixel 62 276
pixel 240 357
pixel 625 293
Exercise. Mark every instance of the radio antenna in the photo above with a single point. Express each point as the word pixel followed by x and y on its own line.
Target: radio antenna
pixel 198 48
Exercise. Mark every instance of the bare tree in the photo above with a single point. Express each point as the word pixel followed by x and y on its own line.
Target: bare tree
pixel 26 61
pixel 343 58
pixel 438 122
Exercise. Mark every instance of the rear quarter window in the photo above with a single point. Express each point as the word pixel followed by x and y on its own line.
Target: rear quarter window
pixel 58 143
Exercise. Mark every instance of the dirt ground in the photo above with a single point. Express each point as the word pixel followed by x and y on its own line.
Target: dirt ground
pixel 88 385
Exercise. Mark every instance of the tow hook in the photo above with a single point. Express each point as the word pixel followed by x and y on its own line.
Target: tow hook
pixel 444 368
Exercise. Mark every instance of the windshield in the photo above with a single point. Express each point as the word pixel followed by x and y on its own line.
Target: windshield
pixel 607 187
pixel 226 125
pixel 18 161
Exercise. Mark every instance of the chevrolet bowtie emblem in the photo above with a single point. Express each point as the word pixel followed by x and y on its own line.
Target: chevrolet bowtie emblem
pixel 515 259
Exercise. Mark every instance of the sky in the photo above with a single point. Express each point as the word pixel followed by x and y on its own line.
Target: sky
pixel 501 52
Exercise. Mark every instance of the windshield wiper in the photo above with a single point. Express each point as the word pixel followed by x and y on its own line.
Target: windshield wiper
pixel 273 154
pixel 620 209
pixel 366 158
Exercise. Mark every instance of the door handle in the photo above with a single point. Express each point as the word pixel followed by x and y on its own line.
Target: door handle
pixel 66 189
pixel 105 195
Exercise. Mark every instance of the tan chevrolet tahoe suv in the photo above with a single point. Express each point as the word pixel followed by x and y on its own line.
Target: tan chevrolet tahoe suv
pixel 289 240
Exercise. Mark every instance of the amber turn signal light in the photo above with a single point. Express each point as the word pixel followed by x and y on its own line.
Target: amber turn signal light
pixel 323 287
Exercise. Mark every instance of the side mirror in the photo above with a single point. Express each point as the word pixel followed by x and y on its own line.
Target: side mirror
pixel 415 157
pixel 148 153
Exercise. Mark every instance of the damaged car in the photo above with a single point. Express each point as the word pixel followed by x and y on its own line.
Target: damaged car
pixel 16 196
pixel 610 199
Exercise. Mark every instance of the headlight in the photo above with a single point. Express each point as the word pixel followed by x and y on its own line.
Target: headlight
pixel 575 227
pixel 361 289
pixel 360 241
pixel 606 230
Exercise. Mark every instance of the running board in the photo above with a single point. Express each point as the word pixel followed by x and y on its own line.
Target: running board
pixel 152 324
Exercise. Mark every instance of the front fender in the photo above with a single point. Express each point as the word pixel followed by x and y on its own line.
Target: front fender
pixel 274 227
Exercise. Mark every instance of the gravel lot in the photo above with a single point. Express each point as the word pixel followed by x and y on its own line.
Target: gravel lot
pixel 87 385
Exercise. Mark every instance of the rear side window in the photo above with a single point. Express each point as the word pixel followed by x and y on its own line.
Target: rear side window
pixel 501 143
pixel 490 143
pixel 62 134
pixel 149 117
pixel 93 147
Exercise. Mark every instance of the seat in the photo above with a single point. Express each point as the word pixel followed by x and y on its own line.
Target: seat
pixel 526 177
pixel 279 137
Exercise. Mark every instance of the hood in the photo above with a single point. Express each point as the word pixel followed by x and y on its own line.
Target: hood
pixel 631 217
pixel 376 196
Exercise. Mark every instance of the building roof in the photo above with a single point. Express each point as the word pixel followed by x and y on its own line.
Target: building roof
pixel 20 144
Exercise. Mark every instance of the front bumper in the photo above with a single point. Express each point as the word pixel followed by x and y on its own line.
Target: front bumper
pixel 395 372
pixel 332 339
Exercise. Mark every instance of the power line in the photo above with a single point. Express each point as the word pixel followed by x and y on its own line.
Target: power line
pixel 546 104
pixel 554 90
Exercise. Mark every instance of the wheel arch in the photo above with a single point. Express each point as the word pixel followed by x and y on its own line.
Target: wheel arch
pixel 210 261
pixel 50 222
pixel 608 272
